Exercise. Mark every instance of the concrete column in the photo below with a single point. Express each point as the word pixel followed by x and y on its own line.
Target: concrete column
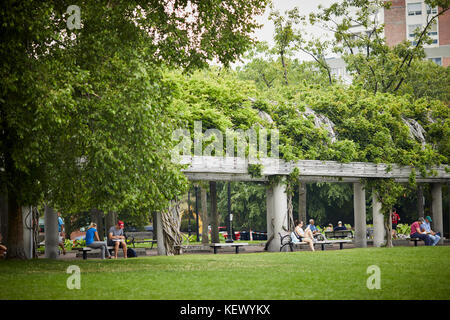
pixel 436 196
pixel 359 205
pixel 279 215
pixel 51 233
pixel 270 215
pixel 160 235
pixel 379 232
pixel 27 218
pixel 420 201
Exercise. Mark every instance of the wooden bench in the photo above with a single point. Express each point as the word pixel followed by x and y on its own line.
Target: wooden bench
pixel 140 237
pixel 237 245
pixel 339 234
pixel 415 241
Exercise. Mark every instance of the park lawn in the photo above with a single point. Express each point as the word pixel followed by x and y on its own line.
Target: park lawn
pixel 406 273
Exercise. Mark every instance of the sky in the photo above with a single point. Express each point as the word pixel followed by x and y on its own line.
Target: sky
pixel 305 6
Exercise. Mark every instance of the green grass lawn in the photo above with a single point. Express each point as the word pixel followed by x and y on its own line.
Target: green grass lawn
pixel 406 273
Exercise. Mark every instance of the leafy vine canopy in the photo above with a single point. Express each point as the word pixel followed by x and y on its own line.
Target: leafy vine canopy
pixel 340 123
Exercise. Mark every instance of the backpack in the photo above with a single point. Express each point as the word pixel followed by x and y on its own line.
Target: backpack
pixel 131 253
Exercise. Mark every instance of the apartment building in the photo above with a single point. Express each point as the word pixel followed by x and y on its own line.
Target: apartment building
pixel 400 23
pixel 405 16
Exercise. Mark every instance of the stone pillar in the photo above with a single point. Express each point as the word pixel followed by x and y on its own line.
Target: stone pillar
pixel 160 235
pixel 214 215
pixel 379 232
pixel 27 218
pixel 436 196
pixel 270 215
pixel 51 233
pixel 359 205
pixel 279 215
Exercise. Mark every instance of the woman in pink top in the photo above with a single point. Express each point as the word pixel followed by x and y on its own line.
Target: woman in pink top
pixel 417 233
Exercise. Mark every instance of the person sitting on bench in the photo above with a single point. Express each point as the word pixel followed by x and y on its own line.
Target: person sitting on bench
pixel 299 235
pixel 417 233
pixel 425 226
pixel 340 226
pixel 91 235
pixel 116 238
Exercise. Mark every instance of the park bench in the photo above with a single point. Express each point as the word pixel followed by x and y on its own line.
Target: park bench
pixel 237 245
pixel 140 237
pixel 85 250
pixel 415 241
pixel 339 234
pixel 286 240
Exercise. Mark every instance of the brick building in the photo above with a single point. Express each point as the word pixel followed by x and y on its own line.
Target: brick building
pixel 405 16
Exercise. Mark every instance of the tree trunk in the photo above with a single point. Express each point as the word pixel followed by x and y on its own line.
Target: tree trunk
pixel 14 241
pixel 204 215
pixel 283 63
pixel 302 202
pixel 420 207
pixel 97 217
pixel 4 216
pixel 214 214
pixel 170 226
pixel 388 228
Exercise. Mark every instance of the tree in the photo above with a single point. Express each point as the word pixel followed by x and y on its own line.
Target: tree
pixel 86 116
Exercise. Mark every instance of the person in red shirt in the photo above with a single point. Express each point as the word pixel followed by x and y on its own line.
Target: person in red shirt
pixel 395 220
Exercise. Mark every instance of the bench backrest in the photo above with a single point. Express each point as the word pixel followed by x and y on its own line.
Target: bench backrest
pixel 139 235
pixel 338 234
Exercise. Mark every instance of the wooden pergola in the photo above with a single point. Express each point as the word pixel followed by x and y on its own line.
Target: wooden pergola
pixel 236 169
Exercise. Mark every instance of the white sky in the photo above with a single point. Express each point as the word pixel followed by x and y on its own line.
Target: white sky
pixel 305 8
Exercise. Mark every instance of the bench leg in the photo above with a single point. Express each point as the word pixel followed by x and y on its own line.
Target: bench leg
pixel 215 250
pixel 84 255
pixel 415 243
pixel 323 247
pixel 341 245
pixel 237 249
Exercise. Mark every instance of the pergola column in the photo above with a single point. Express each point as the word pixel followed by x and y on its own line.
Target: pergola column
pixel 277 208
pixel 436 196
pixel 378 221
pixel 359 204
pixel 270 215
pixel 51 233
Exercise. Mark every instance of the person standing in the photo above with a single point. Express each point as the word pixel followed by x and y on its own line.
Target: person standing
pixel 395 220
pixel 93 241
pixel 116 238
pixel 61 234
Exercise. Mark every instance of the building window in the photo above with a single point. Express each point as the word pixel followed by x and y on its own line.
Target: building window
pixel 438 61
pixel 431 10
pixel 412 29
pixel 414 9
pixel 433 30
